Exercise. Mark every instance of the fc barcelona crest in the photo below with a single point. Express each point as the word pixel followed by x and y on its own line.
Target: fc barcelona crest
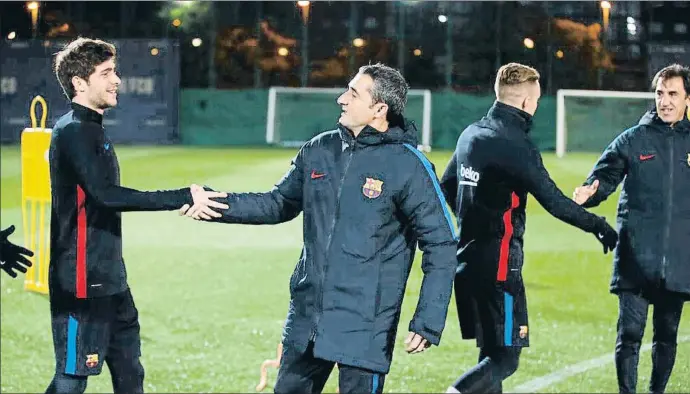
pixel 372 188
pixel 91 360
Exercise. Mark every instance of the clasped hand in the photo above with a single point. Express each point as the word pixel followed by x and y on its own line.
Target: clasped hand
pixel 203 204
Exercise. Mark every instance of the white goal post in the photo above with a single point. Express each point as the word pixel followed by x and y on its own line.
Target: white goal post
pixel 561 129
pixel 274 90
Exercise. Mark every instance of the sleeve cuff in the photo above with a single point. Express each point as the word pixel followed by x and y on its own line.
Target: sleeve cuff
pixel 431 337
pixel 182 197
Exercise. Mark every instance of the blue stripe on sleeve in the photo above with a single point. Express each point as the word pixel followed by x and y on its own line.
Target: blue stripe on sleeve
pixel 437 187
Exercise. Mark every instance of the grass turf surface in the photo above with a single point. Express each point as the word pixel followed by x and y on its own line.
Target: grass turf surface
pixel 212 297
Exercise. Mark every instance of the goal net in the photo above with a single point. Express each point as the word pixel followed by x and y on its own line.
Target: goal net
pixel 295 115
pixel 588 120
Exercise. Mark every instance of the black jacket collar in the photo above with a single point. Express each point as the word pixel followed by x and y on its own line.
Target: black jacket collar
pixel 652 118
pixel 86 114
pixel 512 115
pixel 401 134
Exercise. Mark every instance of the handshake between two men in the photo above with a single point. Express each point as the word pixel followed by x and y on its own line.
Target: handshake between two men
pixel 204 203
pixel 607 236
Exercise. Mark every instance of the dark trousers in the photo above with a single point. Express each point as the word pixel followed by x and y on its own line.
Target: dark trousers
pixel 304 373
pixel 632 318
pixel 495 365
pixel 88 333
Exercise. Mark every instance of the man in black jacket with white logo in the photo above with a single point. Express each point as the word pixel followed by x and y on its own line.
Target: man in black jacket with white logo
pixel 652 260
pixel 494 167
pixel 369 197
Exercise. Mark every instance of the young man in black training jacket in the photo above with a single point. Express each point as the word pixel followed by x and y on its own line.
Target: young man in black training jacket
pixel 94 318
pixel 494 167
pixel 652 260
pixel 368 197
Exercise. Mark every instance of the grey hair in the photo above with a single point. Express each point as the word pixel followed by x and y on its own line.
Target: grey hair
pixel 389 87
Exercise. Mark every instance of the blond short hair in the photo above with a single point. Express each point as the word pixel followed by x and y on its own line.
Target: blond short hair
pixel 513 77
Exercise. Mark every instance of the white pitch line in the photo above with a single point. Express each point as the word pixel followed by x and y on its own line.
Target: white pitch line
pixel 541 382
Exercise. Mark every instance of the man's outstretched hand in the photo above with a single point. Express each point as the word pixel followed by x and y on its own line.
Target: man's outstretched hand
pixel 607 236
pixel 583 193
pixel 12 257
pixel 202 208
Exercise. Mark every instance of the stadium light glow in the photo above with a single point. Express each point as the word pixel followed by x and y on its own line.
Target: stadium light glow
pixel 358 42
pixel 605 11
pixel 12 35
pixel 197 42
pixel 282 51
pixel 442 18
pixel 33 11
pixel 304 6
pixel 417 52
pixel 529 43
pixel 630 19
pixel 176 22
pixel 154 51
pixel 559 54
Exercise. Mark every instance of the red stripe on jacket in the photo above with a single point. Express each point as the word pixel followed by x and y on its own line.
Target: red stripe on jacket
pixel 81 243
pixel 505 240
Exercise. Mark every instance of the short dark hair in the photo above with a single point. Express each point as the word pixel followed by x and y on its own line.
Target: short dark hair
pixel 389 87
pixel 79 58
pixel 672 71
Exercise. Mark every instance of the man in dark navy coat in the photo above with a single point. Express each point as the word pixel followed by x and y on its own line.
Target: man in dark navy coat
pixel 652 260
pixel 369 198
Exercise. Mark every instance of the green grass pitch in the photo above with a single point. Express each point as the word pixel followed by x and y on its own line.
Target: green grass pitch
pixel 212 297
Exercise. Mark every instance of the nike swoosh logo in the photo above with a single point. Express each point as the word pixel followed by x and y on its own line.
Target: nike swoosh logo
pixel 646 157
pixel 314 175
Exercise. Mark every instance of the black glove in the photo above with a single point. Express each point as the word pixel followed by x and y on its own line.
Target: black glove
pixel 606 235
pixel 11 255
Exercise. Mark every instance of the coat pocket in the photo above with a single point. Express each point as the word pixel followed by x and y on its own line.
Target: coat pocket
pixel 299 275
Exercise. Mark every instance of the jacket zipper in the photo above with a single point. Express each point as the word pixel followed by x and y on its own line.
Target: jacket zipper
pixel 669 213
pixel 330 239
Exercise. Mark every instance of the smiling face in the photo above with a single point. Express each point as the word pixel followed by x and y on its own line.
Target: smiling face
pixel 99 92
pixel 672 100
pixel 357 105
pixel 85 69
